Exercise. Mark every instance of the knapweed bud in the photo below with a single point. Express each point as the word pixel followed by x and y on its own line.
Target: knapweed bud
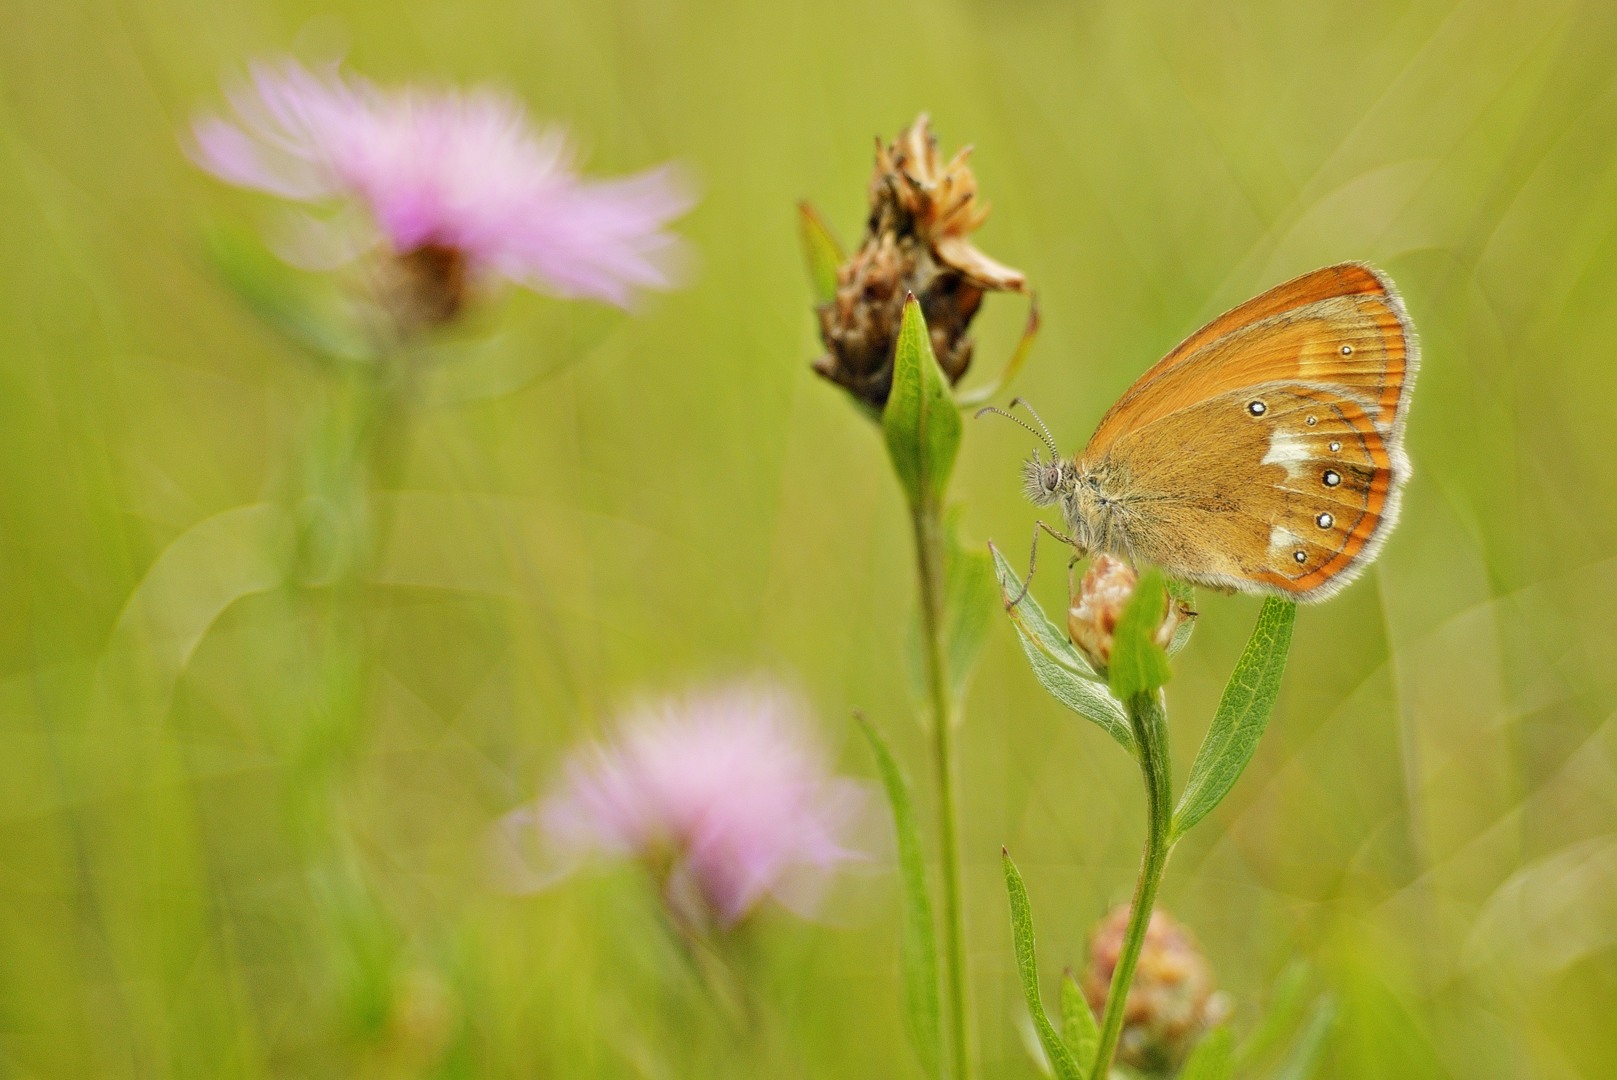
pixel 917 240
pixel 1172 1003
pixel 1102 595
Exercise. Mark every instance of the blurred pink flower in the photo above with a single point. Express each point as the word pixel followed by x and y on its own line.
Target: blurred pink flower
pixel 722 794
pixel 446 171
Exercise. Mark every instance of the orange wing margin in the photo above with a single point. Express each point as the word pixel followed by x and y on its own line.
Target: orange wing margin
pixel 1377 514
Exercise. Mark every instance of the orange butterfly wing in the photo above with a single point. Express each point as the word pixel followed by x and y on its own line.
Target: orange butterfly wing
pixel 1265 453
pixel 1295 332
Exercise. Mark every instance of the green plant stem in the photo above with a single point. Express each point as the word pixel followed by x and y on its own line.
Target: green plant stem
pixel 928 522
pixel 1150 723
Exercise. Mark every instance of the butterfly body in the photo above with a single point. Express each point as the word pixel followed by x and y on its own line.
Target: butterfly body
pixel 1265 454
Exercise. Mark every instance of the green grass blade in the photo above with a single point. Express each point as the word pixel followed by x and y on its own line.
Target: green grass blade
pixel 1305 1055
pixel 969 593
pixel 918 948
pixel 1249 698
pixel 1061 1058
pixel 1288 1000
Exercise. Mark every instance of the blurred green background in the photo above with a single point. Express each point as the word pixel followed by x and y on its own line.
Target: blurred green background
pixel 593 505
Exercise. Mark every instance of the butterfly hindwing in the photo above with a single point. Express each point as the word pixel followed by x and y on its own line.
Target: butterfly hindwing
pixel 1286 488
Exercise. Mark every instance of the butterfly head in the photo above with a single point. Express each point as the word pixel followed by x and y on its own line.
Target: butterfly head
pixel 1045 480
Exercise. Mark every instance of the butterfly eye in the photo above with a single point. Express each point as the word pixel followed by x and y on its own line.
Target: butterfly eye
pixel 1052 478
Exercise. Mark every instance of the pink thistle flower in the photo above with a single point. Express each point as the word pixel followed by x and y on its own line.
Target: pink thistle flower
pixel 457 184
pixel 722 795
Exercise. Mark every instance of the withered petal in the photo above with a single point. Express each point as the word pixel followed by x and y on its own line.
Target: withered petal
pixel 963 255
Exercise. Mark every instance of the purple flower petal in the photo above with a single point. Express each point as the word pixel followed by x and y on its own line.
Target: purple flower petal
pixel 457 169
pixel 727 785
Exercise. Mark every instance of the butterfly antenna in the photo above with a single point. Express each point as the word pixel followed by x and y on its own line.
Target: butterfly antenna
pixel 1049 440
pixel 1043 436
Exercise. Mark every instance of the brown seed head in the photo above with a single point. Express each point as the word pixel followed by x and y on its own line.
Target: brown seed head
pixel 917 240
pixel 1172 1003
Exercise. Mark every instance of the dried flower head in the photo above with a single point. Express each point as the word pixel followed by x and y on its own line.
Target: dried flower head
pixel 1104 593
pixel 456 188
pixel 722 796
pixel 917 240
pixel 1172 1002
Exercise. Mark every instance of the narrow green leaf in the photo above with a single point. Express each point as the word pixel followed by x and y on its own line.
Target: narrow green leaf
pixel 1078 1025
pixel 1249 698
pixel 1061 1058
pixel 921 423
pixel 983 394
pixel 821 250
pixel 1057 665
pixel 287 300
pixel 1304 1059
pixel 1213 1058
pixel 918 949
pixel 1139 664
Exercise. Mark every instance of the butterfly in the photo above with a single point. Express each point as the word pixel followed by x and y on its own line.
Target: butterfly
pixel 1265 454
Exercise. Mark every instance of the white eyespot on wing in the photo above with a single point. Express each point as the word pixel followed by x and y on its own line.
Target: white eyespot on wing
pixel 1288 450
pixel 1283 542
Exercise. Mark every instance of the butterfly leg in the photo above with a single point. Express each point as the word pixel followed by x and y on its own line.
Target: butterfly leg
pixel 1033 560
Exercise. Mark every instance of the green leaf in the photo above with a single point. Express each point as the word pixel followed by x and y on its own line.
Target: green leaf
pixel 1139 664
pixel 821 250
pixel 289 301
pixel 1078 1026
pixel 1213 1058
pixel 968 604
pixel 1057 665
pixel 1304 1059
pixel 920 422
pixel 1013 366
pixel 1061 1058
pixel 918 949
pixel 1249 698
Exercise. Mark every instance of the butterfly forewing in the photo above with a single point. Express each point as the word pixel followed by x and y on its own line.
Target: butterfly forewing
pixel 1342 326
